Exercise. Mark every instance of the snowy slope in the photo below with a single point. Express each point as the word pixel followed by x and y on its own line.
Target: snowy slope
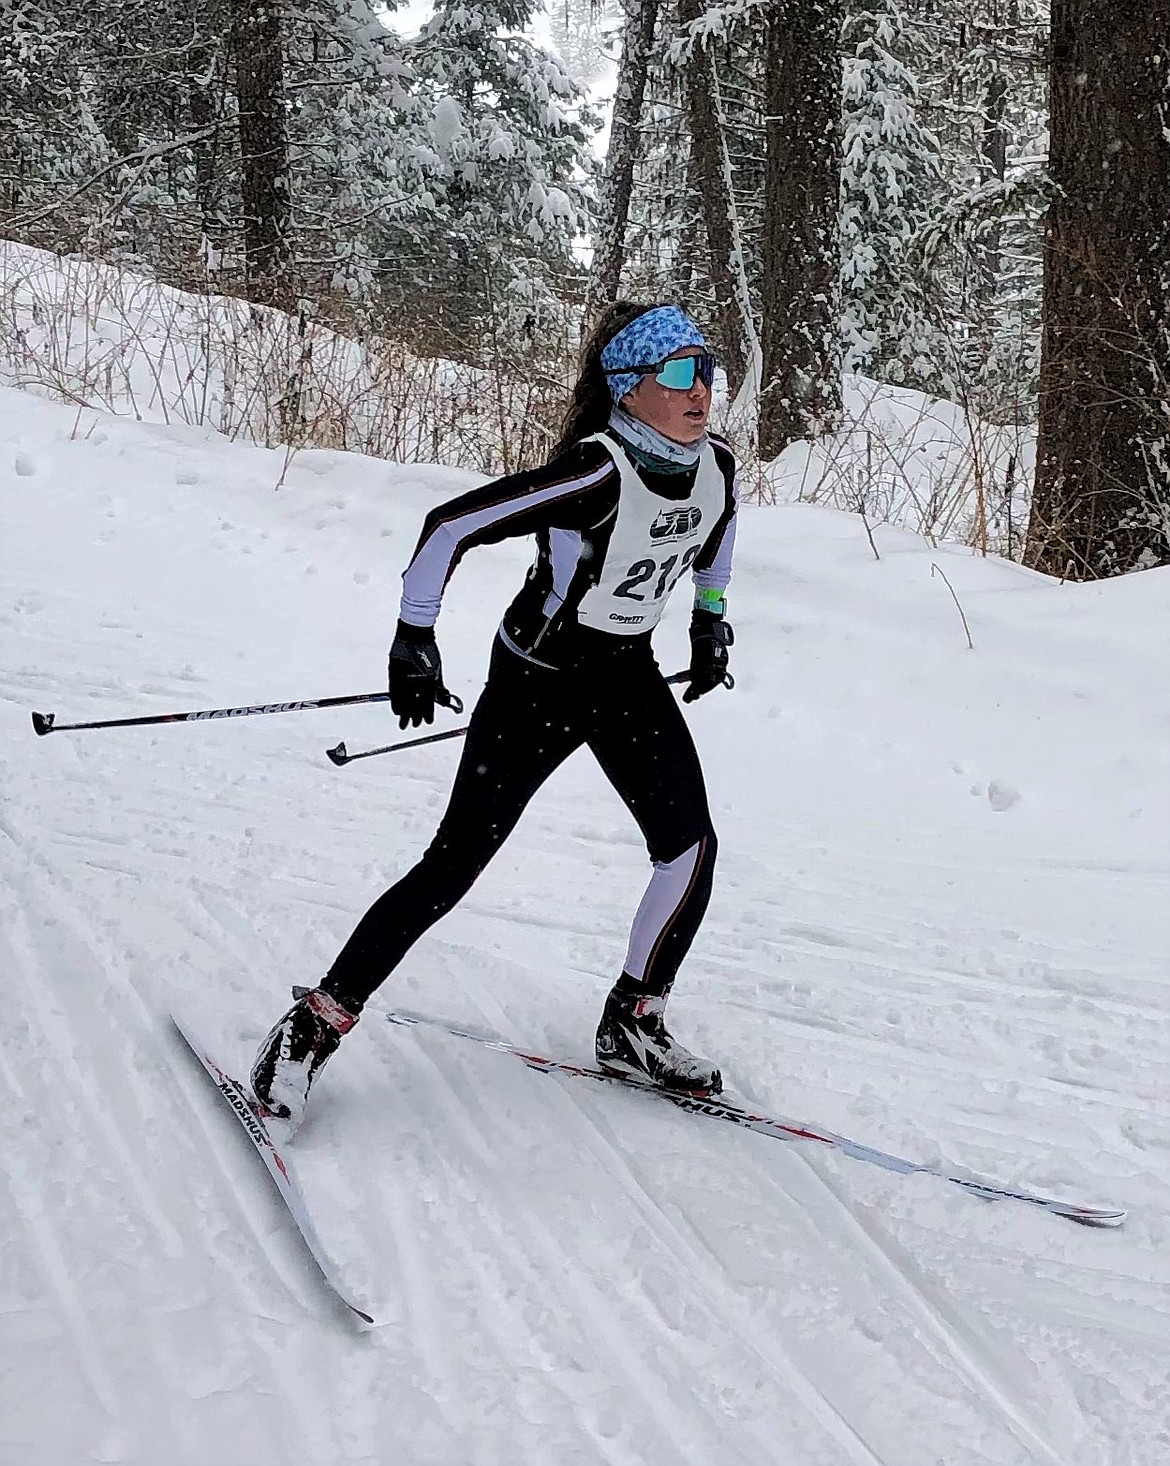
pixel 93 334
pixel 940 925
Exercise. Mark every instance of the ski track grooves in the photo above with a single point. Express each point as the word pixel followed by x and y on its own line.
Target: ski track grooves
pixel 819 1407
pixel 89 1118
pixel 77 1097
pixel 591 1308
pixel 41 1232
pixel 941 1319
pixel 959 1341
pixel 485 1292
pixel 812 1396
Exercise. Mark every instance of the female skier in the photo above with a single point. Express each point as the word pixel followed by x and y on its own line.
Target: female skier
pixel 637 494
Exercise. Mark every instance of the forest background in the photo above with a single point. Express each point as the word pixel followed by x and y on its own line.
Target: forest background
pixel 388 231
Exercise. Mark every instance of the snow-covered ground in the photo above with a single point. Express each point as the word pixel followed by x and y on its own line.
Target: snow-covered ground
pixel 941 925
pixel 96 336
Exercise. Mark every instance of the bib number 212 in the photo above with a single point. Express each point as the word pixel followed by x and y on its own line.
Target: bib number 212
pixel 643 571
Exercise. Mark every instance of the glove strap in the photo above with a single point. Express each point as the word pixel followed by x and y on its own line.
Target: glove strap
pixel 447 699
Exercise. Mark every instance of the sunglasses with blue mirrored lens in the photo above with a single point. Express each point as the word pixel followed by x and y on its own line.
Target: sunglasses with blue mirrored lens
pixel 678 373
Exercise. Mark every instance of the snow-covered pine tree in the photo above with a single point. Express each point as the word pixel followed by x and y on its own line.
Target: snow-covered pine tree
pixel 50 143
pixel 109 126
pixel 663 238
pixel 626 144
pixel 890 178
pixel 439 178
pixel 735 333
pixel 581 31
pixel 983 93
pixel 513 130
pixel 444 175
pixel 696 176
pixel 363 169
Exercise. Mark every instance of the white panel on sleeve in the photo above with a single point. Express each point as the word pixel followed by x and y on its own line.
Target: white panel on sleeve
pixel 717 575
pixel 425 577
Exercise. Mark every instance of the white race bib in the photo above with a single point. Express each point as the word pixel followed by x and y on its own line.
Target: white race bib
pixel 653 545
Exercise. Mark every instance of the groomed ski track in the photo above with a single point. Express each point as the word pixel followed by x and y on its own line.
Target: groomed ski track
pixel 558 1273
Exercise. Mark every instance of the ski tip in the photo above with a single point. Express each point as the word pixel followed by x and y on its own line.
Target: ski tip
pixel 186 1033
pixel 1094 1218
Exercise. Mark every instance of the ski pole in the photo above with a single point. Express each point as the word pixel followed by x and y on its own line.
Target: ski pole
pixel 46 722
pixel 341 756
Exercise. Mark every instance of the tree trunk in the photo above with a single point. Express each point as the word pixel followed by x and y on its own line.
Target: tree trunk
pixel 993 164
pixel 205 85
pixel 801 389
pixel 734 321
pixel 1101 503
pixel 263 149
pixel 624 149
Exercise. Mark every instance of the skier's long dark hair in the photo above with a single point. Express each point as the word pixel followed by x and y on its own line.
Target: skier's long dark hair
pixel 591 403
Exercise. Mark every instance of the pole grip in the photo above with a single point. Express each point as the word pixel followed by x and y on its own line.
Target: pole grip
pixel 43 723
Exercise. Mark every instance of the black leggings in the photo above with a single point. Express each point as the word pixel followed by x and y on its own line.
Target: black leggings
pixel 525 724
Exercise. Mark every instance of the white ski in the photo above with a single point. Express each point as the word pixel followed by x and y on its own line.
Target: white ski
pixel 271 1137
pixel 724 1109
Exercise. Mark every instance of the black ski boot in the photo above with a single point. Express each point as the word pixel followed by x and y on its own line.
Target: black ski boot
pixel 632 1042
pixel 296 1050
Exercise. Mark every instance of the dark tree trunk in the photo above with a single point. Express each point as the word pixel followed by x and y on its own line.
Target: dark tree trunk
pixel 686 271
pixel 993 164
pixel 801 388
pixel 205 108
pixel 624 150
pixel 1101 503
pixel 713 176
pixel 257 37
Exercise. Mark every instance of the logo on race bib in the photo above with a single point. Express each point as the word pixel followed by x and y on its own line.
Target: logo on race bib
pixel 674 523
pixel 626 620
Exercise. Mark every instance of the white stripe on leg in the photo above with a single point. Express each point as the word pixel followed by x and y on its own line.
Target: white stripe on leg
pixel 659 906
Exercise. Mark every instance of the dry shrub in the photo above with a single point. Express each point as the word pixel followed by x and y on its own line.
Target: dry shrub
pixel 100 337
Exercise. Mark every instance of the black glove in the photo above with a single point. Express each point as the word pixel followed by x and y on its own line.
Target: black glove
pixel 710 638
pixel 415 675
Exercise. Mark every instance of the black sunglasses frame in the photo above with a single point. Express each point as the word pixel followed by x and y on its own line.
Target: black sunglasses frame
pixel 705 365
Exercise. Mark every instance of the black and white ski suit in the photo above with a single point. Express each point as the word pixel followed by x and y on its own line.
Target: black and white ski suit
pixel 572 664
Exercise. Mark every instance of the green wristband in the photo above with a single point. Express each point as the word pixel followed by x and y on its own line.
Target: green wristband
pixel 711 601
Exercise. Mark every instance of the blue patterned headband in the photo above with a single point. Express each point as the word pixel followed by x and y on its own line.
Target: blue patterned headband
pixel 647 340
